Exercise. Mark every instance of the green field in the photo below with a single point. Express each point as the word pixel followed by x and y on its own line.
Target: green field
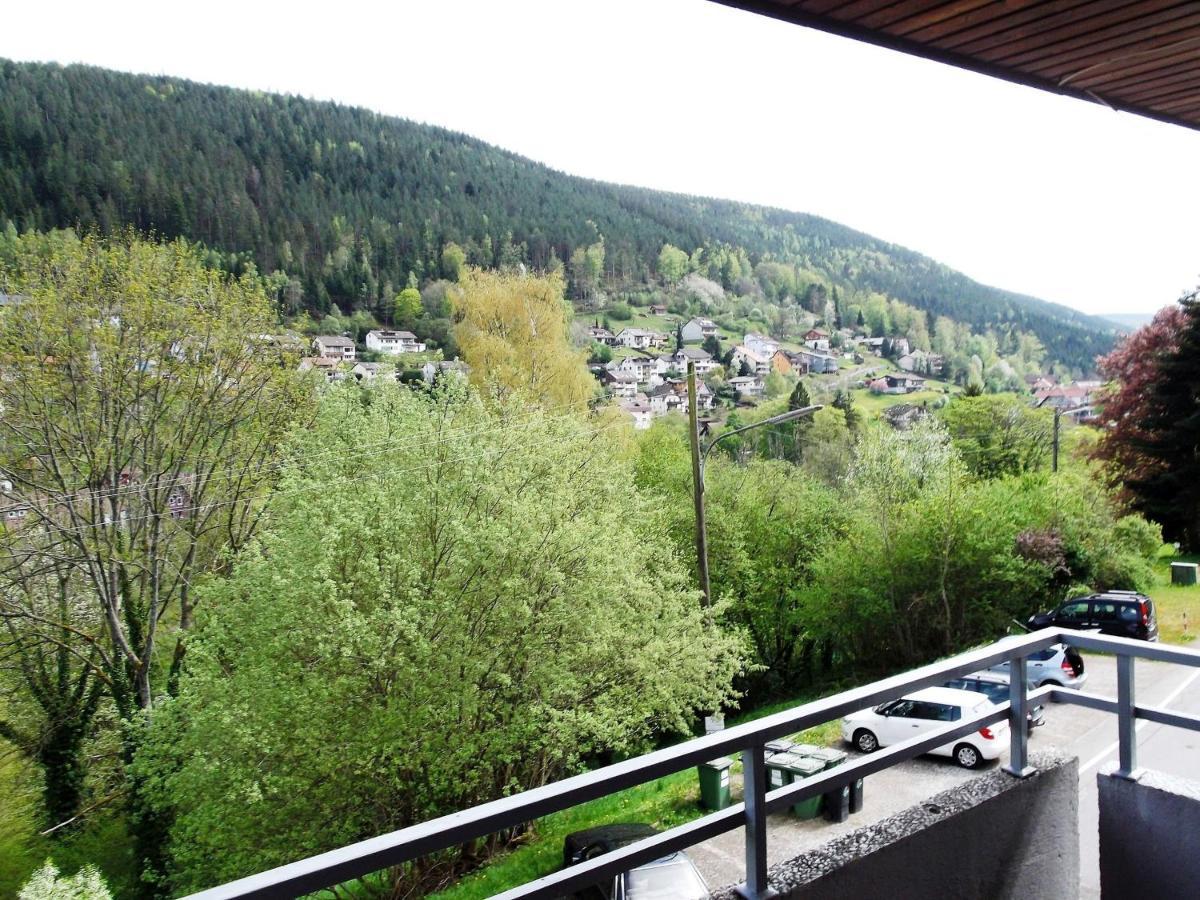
pixel 1178 607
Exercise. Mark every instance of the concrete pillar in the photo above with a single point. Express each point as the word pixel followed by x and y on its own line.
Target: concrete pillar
pixel 1149 836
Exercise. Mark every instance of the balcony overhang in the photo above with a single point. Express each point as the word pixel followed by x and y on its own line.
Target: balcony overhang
pixel 1141 57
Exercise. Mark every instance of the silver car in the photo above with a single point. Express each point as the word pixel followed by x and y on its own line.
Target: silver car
pixel 1057 665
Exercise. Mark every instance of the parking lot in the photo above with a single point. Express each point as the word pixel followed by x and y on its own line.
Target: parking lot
pixel 1086 734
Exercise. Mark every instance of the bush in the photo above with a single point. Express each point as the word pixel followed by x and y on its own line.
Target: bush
pixel 622 312
pixel 47 884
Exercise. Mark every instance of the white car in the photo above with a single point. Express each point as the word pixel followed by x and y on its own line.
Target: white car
pixel 927 710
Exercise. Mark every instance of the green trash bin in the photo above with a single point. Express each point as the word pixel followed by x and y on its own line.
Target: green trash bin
pixel 714 783
pixel 801 767
pixel 837 802
pixel 804 749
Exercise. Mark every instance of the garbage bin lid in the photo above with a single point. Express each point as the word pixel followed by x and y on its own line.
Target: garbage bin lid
pixel 807 765
pixel 783 760
pixel 723 762
pixel 828 753
pixel 805 749
pixel 780 746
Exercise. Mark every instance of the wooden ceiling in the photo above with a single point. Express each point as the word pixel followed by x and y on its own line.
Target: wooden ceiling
pixel 1142 57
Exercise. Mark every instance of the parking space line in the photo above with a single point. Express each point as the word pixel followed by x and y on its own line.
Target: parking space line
pixel 1170 698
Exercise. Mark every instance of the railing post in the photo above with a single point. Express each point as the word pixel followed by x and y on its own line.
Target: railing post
pixel 1126 720
pixel 754 778
pixel 1018 728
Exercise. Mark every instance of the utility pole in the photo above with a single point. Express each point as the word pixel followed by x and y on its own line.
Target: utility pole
pixel 1054 459
pixel 698 485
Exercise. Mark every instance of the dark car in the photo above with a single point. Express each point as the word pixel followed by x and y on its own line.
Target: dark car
pixel 994 686
pixel 1119 613
pixel 673 877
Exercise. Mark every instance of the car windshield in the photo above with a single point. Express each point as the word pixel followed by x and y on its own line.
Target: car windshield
pixel 674 879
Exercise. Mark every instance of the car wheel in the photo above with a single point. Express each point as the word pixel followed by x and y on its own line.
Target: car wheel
pixel 865 741
pixel 967 756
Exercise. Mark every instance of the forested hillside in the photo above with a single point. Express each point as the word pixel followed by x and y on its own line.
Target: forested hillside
pixel 344 203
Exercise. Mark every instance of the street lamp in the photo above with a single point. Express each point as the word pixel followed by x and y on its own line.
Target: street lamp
pixel 700 457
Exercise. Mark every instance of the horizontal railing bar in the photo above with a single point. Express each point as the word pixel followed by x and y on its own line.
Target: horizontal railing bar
pixel 1149 713
pixel 684 836
pixel 373 854
pixel 1083 698
pixel 1103 643
pixel 593 871
pixel 831 779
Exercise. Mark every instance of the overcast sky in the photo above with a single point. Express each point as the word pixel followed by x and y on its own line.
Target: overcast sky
pixel 1018 188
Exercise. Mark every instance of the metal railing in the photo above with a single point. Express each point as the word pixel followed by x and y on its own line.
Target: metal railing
pixel 365 857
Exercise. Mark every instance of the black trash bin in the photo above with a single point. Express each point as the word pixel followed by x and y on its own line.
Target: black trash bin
pixel 856 796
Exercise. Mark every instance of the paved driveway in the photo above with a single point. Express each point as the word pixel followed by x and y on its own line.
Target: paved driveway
pixel 1087 734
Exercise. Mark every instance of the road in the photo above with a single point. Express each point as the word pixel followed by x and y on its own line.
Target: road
pixel 1091 736
pixel 1084 733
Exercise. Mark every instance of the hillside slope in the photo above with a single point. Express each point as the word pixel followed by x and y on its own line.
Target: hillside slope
pixel 350 202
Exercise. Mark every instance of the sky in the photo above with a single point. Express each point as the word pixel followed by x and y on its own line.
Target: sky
pixel 1018 188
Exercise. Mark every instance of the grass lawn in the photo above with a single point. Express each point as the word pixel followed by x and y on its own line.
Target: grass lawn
pixel 663 803
pixel 1178 606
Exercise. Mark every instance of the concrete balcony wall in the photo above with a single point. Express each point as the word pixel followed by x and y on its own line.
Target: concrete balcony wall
pixel 1148 836
pixel 994 836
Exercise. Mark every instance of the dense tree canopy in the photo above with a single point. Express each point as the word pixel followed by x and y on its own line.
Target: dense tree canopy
pixel 461 612
pixel 344 203
pixel 1152 418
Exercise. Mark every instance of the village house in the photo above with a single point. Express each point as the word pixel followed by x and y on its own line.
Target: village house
pixel 394 342
pixel 602 336
pixel 816 339
pixel 334 347
pixel 897 384
pixel 647 368
pixel 658 309
pixel 330 368
pixel 640 412
pixel 760 345
pixel 672 396
pixel 366 371
pixel 444 368
pixel 787 362
pixel 747 386
pixel 640 338
pixel 874 344
pixel 702 358
pixel 920 361
pixel 819 362
pixel 759 365
pixel 1076 402
pixel 619 384
pixel 696 330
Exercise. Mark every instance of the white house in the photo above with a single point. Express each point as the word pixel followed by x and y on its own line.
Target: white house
pixel 640 338
pixel 445 369
pixel 747 385
pixel 819 362
pixel 696 330
pixel 816 339
pixel 702 358
pixel 641 413
pixel 620 384
pixel 760 345
pixel 334 347
pixel 366 371
pixel 672 396
pixel 394 342
pixel 760 364
pixel 647 369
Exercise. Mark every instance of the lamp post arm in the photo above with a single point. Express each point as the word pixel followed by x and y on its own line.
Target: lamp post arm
pixel 774 420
